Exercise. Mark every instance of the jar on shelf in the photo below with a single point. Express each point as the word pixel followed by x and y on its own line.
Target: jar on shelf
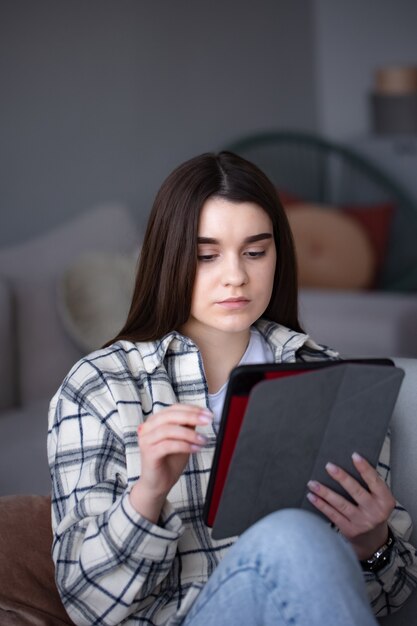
pixel 394 100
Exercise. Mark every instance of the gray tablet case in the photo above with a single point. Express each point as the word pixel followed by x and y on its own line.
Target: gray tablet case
pixel 292 427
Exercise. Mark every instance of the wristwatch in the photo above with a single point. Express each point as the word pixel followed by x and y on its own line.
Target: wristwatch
pixel 381 557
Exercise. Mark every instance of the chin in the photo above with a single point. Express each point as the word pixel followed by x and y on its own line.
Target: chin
pixel 236 326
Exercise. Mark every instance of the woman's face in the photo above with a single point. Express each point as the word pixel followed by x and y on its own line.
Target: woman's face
pixel 235 267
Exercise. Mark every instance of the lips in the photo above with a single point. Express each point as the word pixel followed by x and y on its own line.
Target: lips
pixel 233 303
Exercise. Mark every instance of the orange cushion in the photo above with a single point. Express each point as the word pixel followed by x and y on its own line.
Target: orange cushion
pixel 333 250
pixel 373 219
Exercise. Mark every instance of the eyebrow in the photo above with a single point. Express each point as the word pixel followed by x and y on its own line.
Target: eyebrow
pixel 250 239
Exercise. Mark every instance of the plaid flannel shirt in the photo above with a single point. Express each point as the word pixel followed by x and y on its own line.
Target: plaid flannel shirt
pixel 112 565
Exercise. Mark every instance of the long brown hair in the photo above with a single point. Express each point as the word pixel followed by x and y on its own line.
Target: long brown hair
pixel 162 295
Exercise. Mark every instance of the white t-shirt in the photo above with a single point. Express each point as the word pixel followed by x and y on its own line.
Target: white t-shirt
pixel 257 351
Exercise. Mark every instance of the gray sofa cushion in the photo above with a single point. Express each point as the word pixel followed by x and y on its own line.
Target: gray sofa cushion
pixel 23 458
pixel 8 378
pixel 404 442
pixel 45 351
pixel 361 324
pixel 404 470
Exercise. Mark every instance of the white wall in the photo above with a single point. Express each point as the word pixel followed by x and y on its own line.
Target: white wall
pixel 352 39
pixel 102 98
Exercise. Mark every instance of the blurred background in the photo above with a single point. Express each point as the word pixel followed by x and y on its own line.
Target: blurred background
pixel 100 99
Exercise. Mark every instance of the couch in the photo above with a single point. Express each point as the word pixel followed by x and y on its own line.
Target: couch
pixel 28 596
pixel 40 340
pixel 36 346
pixel 39 344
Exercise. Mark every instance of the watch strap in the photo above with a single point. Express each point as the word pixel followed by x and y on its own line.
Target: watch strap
pixel 381 557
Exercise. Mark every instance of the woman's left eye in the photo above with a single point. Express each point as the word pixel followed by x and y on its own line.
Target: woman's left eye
pixel 254 254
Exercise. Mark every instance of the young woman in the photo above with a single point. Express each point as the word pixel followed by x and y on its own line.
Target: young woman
pixel 133 429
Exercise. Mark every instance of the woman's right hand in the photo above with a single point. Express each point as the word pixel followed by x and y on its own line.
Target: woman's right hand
pixel 166 441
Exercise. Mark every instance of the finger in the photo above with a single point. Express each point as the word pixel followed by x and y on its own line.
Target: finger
pixel 188 422
pixel 371 477
pixel 178 406
pixel 339 520
pixel 184 414
pixel 347 509
pixel 171 446
pixel 180 409
pixel 173 432
pixel 358 493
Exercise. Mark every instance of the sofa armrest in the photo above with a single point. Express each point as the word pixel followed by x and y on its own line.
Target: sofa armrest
pixel 8 365
pixel 23 453
pixel 404 468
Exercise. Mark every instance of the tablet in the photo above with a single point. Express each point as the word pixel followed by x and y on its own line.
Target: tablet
pixel 244 379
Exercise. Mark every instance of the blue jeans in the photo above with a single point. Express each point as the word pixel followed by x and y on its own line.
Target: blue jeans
pixel 289 568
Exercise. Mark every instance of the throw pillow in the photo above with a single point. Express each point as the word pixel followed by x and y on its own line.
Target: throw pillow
pixel 374 220
pixel 94 297
pixel 28 595
pixel 333 251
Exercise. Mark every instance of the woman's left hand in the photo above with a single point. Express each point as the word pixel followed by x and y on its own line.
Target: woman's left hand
pixel 364 522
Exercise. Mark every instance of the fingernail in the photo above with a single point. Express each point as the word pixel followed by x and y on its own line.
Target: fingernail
pixel 195 448
pixel 312 484
pixel 202 439
pixel 332 469
pixel 205 418
pixel 312 497
pixel 357 457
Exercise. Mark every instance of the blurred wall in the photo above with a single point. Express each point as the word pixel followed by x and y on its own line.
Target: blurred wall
pixel 100 99
pixel 351 40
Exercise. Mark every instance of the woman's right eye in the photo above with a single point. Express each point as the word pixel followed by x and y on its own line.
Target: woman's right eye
pixel 205 258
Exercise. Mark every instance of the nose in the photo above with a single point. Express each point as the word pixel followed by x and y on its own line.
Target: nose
pixel 234 272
